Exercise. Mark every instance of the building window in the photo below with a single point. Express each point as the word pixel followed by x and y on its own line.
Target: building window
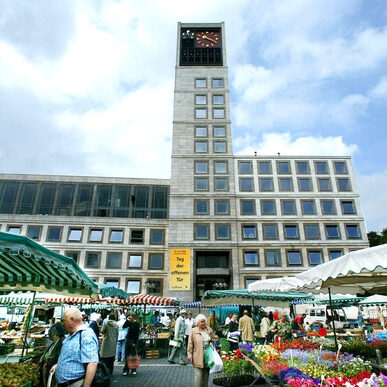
pixel 103 200
pixel 334 254
pixel 352 231
pixel 112 282
pixel 272 258
pixel 302 167
pixel 201 167
pixel 348 207
pixel 92 260
pixel 14 230
pixel 201 207
pixel 74 255
pixel 200 99
pixel 27 198
pixel 245 168
pixel 283 167
pixel 218 113
pixel 201 146
pixel 288 207
pixel 315 257
pixel 133 286
pixel 304 184
pixel 8 197
pixel 116 236
pixel 222 207
pixel 221 184
pixel 157 237
pixel 33 232
pixel 312 231
pixel 135 261
pixel 201 231
pixel 159 203
pixel 266 184
pixel 154 286
pixel 220 147
pixel 270 231
pixel 321 167
pixel 95 235
pixel 201 184
pixel 250 280
pixel 324 184
pixel 222 231
pixel 136 236
pixel 83 202
pixel 46 199
pixel 220 167
pixel 156 261
pixel 343 184
pixel 246 184
pixel 200 113
pixel 340 167
pixel 200 131
pixel 332 231
pixel 308 207
pixel 113 261
pixel 247 207
pixel 200 82
pixel 218 99
pixel 217 83
pixel 285 184
pixel 294 257
pixel 54 234
pixel 328 207
pixel 65 199
pixel 219 131
pixel 75 235
pixel 268 207
pixel 264 167
pixel 251 258
pixel 249 231
pixel 291 231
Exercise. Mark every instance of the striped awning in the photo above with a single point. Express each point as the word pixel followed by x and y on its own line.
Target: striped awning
pixel 26 265
pixel 69 300
pixel 145 299
pixel 20 300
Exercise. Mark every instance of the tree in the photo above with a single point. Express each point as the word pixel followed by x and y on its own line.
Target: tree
pixel 377 239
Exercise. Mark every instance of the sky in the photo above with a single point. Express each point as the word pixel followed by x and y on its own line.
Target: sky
pixel 86 87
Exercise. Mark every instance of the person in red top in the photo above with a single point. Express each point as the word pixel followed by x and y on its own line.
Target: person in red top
pixel 298 322
pixel 276 315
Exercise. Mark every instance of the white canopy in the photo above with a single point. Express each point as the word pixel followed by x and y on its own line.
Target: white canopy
pixel 282 284
pixel 376 299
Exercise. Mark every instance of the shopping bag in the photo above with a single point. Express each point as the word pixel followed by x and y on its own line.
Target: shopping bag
pixel 174 343
pixel 209 356
pixel 218 362
pixel 133 361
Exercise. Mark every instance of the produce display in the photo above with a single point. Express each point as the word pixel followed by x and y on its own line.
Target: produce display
pixel 17 374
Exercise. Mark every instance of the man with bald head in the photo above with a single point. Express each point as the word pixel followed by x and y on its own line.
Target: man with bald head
pixel 78 358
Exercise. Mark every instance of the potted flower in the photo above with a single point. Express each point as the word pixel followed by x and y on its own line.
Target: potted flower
pixel 271 368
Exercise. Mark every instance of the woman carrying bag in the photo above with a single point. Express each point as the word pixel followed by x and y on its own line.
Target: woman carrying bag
pixel 132 358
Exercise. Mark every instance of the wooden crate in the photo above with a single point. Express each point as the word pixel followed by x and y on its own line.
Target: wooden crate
pixel 152 354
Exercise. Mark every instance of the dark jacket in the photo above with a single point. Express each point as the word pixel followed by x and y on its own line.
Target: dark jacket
pixel 133 330
pixel 94 326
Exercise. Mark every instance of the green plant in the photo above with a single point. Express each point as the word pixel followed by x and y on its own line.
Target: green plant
pixel 359 348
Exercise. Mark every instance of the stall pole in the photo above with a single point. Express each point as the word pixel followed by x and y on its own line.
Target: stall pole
pixel 333 318
pixel 28 325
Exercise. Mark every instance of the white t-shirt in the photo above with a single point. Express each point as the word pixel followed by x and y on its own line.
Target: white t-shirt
pixel 189 323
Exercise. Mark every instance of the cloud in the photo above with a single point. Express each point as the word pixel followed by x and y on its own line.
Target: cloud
pixel 380 90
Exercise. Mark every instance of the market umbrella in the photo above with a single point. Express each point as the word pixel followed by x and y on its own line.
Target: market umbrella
pixel 376 299
pixel 281 284
pixel 111 291
pixel 339 300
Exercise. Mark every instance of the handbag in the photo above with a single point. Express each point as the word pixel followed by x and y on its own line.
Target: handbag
pixel 218 362
pixel 133 361
pixel 209 356
pixel 174 343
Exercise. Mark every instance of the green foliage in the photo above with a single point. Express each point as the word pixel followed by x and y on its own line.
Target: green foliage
pixel 359 348
pixel 376 239
pixel 236 367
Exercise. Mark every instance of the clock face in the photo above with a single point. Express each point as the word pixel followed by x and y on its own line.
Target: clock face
pixel 207 39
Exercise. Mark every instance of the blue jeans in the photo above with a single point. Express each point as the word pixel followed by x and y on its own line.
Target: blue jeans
pixel 120 352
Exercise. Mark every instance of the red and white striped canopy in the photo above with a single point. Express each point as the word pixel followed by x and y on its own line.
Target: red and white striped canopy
pixel 69 300
pixel 146 299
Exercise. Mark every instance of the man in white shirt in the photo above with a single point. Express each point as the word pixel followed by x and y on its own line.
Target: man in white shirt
pixel 189 324
pixel 165 320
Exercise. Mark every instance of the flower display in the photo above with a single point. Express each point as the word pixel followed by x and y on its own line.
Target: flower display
pixel 272 367
pixel 265 352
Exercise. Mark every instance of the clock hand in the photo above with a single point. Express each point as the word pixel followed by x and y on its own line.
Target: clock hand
pixel 206 37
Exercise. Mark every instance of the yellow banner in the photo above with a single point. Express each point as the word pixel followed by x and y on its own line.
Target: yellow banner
pixel 180 269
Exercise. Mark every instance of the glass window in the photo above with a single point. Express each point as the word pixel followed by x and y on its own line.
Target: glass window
pixel 14 230
pixel 201 184
pixel 332 231
pixel 154 286
pixel 116 236
pixel 348 207
pixel 343 184
pixel 218 113
pixel 83 204
pixel 156 261
pixel 294 257
pixel 222 207
pixel 218 99
pixel 270 231
pixel 136 236
pixel 140 202
pixel 246 184
pixel 219 131
pixel 201 207
pixel 221 184
pixel 285 184
pixel 324 184
pixel 272 258
pixel 200 113
pixel 340 167
pixel 33 232
pixel 8 197
pixel 266 184
pixel 321 167
pixel 302 167
pixel 315 257
pixel 200 131
pixel 333 254
pixel 121 201
pixel 74 255
pixel 159 202
pixel 201 146
pixel 133 287
pixel 27 198
pixel 251 258
pixel 308 207
pixel 135 261
pixel 75 235
pixel 305 184
pixel 46 199
pixel 291 231
pixel 264 167
pixel 65 199
pixel 245 167
pixel 157 237
pixel 54 234
pixel 113 261
pixel 220 146
pixel 247 207
pixel 200 82
pixel 200 99
pixel 103 200
pixel 312 231
pixel 201 167
pixel 288 207
pixel 217 82
pixel 201 231
pixel 222 231
pixel 283 167
pixel 220 166
pixel 268 207
pixel 249 232
pixel 352 231
pixel 328 207
pixel 92 260
pixel 112 282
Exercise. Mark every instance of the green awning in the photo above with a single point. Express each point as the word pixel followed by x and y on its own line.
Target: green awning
pixel 26 265
pixel 111 291
pixel 339 301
